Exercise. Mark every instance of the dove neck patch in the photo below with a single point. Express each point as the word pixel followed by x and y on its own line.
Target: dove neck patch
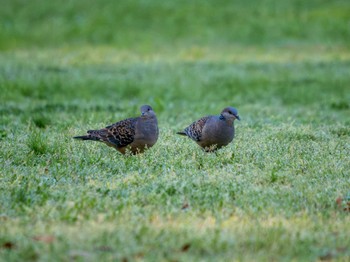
pixel 221 117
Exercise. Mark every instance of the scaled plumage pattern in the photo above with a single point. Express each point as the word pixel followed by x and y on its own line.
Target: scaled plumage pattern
pixel 134 134
pixel 213 132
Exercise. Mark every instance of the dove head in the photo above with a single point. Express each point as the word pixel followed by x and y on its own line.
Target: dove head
pixel 230 113
pixel 147 111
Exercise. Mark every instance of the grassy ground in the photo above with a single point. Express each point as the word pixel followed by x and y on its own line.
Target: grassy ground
pixel 268 196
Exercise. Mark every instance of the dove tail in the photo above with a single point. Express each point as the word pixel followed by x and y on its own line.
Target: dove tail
pixel 182 133
pixel 87 137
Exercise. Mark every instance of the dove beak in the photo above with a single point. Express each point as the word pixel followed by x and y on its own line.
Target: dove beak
pixel 237 117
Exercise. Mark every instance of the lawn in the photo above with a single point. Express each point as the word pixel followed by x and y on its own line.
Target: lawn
pixel 68 67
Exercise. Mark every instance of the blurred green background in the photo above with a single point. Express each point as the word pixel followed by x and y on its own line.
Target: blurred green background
pixel 147 25
pixel 166 52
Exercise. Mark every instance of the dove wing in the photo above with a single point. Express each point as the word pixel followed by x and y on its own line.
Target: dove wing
pixel 119 134
pixel 194 130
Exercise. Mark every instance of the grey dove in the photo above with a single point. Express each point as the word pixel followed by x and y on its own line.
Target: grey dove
pixel 213 132
pixel 134 134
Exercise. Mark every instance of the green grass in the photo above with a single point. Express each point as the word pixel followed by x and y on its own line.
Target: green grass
pixel 268 196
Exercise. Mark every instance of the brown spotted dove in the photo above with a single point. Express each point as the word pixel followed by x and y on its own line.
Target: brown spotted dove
pixel 213 132
pixel 133 134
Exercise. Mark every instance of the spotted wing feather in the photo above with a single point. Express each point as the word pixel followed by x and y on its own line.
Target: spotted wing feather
pixel 194 131
pixel 119 134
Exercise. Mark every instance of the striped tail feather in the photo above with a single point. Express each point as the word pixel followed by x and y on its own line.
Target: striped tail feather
pixel 182 133
pixel 87 137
